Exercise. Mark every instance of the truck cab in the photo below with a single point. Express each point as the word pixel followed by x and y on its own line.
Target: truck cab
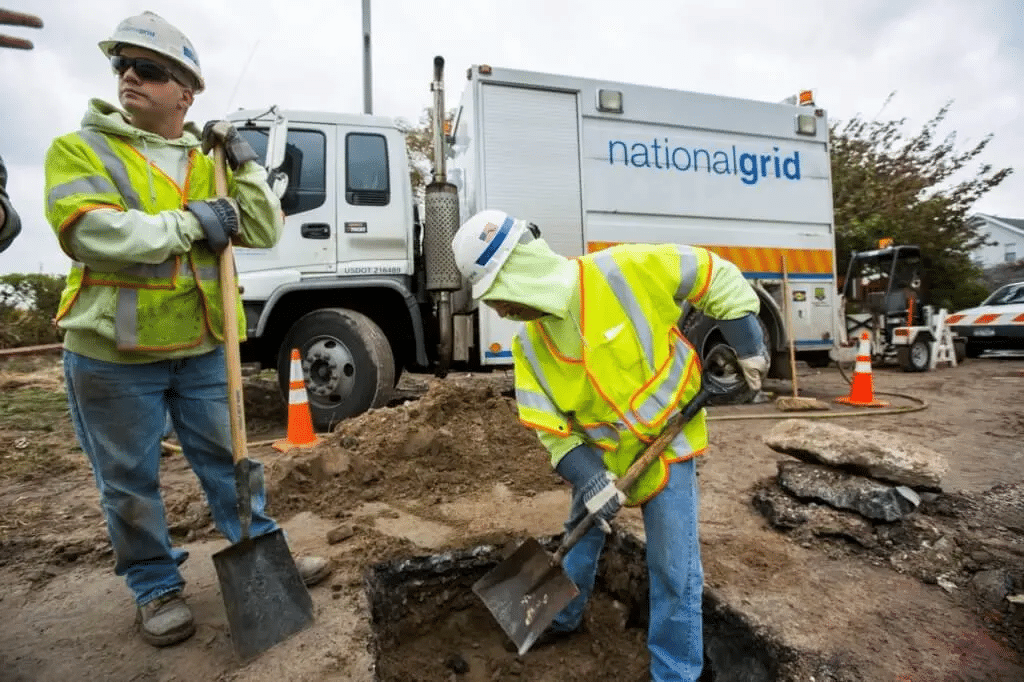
pixel 340 284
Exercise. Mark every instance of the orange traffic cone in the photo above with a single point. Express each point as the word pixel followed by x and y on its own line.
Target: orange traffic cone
pixel 861 392
pixel 300 421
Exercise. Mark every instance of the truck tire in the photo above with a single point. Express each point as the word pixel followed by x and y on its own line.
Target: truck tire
pixel 347 364
pixel 915 357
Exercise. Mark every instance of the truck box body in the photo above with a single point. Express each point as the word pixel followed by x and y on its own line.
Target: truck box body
pixel 727 174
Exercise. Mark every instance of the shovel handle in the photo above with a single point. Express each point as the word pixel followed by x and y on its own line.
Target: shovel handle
pixel 232 357
pixel 639 466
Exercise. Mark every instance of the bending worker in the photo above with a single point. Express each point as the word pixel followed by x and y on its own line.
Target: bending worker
pixel 600 366
pixel 133 202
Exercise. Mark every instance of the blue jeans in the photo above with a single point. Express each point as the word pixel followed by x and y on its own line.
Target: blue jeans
pixel 119 412
pixel 675 632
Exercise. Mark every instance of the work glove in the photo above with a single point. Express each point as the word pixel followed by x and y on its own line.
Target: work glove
pixel 236 149
pixel 219 219
pixel 593 487
pixel 747 339
pixel 755 369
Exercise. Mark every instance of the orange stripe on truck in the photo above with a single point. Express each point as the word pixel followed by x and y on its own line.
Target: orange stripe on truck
pixel 764 260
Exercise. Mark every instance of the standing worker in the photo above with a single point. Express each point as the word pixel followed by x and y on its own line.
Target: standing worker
pixel 10 223
pixel 600 367
pixel 133 203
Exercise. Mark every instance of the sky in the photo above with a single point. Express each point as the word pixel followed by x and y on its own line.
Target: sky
pixel 307 54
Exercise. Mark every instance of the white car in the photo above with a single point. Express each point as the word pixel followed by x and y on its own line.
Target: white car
pixel 996 324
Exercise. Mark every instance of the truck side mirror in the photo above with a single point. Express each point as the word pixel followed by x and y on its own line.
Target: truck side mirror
pixel 277 139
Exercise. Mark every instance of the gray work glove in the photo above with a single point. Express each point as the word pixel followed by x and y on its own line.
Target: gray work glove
pixel 236 149
pixel 747 339
pixel 755 369
pixel 219 219
pixel 593 487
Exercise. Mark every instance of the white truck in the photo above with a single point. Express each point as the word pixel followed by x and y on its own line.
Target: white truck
pixel 366 289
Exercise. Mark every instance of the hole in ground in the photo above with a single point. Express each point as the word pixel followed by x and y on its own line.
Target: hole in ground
pixel 428 625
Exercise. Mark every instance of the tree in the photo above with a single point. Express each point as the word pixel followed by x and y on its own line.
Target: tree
pixel 419 143
pixel 915 190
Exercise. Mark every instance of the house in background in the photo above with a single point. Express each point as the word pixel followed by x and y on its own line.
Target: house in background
pixel 1008 235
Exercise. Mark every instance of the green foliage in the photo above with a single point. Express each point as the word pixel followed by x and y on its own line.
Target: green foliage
pixel 419 142
pixel 915 190
pixel 28 304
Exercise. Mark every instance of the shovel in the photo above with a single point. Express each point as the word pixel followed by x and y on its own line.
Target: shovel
pixel 264 596
pixel 527 590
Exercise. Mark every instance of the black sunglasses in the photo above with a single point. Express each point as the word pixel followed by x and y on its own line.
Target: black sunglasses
pixel 146 69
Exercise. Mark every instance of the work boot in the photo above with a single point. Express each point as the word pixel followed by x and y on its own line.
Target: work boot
pixel 166 620
pixel 313 569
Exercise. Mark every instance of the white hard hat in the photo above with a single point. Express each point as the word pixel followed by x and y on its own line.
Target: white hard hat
pixel 484 243
pixel 152 32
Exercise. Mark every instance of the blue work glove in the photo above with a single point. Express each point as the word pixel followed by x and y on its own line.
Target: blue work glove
pixel 746 338
pixel 593 486
pixel 219 220
pixel 236 149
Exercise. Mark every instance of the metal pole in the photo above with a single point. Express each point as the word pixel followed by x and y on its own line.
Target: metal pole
pixel 367 69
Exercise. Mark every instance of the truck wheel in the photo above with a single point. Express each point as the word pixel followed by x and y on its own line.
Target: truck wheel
pixel 719 362
pixel 347 364
pixel 916 357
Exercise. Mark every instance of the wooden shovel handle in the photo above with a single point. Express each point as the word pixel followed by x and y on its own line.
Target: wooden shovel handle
pixel 232 356
pixel 787 304
pixel 639 466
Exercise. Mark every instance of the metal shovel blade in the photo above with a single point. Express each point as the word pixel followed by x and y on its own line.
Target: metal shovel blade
pixel 264 596
pixel 525 592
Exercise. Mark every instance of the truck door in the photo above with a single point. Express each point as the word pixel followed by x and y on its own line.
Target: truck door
pixel 308 243
pixel 373 207
pixel 531 158
pixel 531 169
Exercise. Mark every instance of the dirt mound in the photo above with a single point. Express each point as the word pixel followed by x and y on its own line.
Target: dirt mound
pixel 461 436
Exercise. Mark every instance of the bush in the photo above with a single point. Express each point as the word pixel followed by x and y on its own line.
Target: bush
pixel 28 304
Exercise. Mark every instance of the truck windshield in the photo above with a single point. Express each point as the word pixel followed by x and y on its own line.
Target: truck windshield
pixel 1007 295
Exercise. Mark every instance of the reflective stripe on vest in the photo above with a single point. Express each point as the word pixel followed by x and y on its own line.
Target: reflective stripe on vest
pixel 652 409
pixel 94 183
pixel 114 166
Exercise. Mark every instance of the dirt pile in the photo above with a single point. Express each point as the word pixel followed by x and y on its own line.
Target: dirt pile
pixel 461 436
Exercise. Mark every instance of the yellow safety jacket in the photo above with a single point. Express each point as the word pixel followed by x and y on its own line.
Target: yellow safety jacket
pixel 166 306
pixel 635 368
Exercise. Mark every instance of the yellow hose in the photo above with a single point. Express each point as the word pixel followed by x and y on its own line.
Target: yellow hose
pixel 867 412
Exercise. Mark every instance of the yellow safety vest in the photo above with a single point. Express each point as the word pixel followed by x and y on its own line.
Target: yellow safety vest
pixel 167 306
pixel 633 357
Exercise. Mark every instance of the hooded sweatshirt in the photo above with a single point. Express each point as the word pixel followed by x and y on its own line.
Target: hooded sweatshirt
pixel 536 276
pixel 109 240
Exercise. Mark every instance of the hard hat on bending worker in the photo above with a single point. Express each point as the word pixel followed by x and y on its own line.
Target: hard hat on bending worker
pixel 492 244
pixel 151 32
